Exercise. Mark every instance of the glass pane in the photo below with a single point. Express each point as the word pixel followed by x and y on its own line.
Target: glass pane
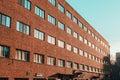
pixel 49 18
pixel 42 14
pixel 54 21
pixel 29 5
pixel 54 2
pixel 36 33
pixel 8 21
pixel 0 19
pixel 0 50
pixel 3 20
pixel 28 56
pixel 21 27
pixel 17 27
pixel 26 4
pixel 37 10
pixel 6 50
pixel 42 36
pixel 49 39
pixel 28 30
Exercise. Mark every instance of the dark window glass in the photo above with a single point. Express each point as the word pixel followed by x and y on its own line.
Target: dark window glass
pixel 5 20
pixel 3 78
pixel 4 51
pixel 22 55
pixel 0 19
pixel 53 2
pixel 51 19
pixel 61 8
pixel 21 79
pixel 25 3
pixel 21 27
pixel 39 12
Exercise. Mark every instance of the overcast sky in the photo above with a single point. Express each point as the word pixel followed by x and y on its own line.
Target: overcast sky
pixel 104 16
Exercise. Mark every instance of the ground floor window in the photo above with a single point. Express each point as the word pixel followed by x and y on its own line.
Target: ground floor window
pixel 3 78
pixel 21 79
pixel 39 79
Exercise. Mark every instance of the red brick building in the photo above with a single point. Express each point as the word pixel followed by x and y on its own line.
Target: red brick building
pixel 48 40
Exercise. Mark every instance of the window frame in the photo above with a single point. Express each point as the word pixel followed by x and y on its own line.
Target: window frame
pixel 53 3
pixel 68 14
pixel 61 63
pixel 51 61
pixel 40 12
pixel 22 55
pixel 4 20
pixel 22 27
pixel 25 3
pixel 39 34
pixel 61 25
pixel 38 58
pixel 4 51
pixel 61 44
pixel 69 30
pixel 51 19
pixel 51 40
pixel 61 8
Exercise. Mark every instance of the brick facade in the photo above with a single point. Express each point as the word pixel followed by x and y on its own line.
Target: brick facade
pixel 12 68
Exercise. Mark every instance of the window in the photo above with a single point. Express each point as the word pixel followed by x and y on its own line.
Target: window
pixel 22 55
pixel 93 35
pixel 93 46
pixel 81 24
pixel 90 56
pixel 81 67
pixel 61 8
pixel 86 54
pixel 89 32
pixel 61 44
pixel 76 66
pixel 4 51
pixel 69 31
pixel 98 40
pixel 5 20
pixel 51 19
pixel 85 28
pixel 81 52
pixel 21 79
pixel 69 15
pixel 21 27
pixel 53 2
pixel 4 78
pixel 69 64
pixel 96 37
pixel 75 34
pixel 85 41
pixel 75 50
pixel 81 38
pixel 75 20
pixel 51 61
pixel 38 34
pixel 61 25
pixel 61 63
pixel 89 44
pixel 51 40
pixel 39 12
pixel 25 3
pixel 38 58
pixel 69 47
pixel 90 69
pixel 86 68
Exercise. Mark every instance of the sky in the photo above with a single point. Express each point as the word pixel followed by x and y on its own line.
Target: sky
pixel 104 16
